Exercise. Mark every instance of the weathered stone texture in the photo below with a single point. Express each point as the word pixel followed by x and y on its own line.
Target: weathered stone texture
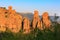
pixel 26 25
pixel 46 19
pixel 36 20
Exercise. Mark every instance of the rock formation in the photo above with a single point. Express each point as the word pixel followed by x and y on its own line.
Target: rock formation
pixel 10 19
pixel 46 20
pixel 15 21
pixel 39 25
pixel 26 25
pixel 36 21
pixel 2 28
pixel 2 20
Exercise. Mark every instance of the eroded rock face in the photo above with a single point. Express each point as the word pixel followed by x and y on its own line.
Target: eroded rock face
pixel 39 25
pixel 10 19
pixel 46 19
pixel 2 20
pixel 36 21
pixel 26 25
pixel 2 28
pixel 15 22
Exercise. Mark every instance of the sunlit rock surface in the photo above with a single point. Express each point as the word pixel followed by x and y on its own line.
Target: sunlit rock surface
pixel 15 21
pixel 10 19
pixel 2 20
pixel 39 25
pixel 35 19
pixel 26 25
pixel 46 20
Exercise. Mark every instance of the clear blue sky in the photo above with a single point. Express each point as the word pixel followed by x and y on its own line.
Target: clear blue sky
pixel 51 6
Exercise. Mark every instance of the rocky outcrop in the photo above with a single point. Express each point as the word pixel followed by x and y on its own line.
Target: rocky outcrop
pixel 12 21
pixel 46 20
pixel 35 19
pixel 26 25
